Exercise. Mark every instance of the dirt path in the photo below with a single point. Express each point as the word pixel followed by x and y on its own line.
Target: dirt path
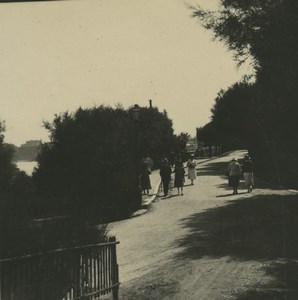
pixel 209 244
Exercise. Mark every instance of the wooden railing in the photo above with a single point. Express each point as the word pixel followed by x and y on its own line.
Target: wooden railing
pixel 84 272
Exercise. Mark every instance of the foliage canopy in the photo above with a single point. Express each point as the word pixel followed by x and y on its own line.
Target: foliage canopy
pixel 93 158
pixel 262 115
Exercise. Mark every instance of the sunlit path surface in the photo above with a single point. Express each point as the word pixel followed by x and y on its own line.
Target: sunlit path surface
pixel 210 244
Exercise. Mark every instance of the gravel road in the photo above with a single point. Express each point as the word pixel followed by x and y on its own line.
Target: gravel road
pixel 210 244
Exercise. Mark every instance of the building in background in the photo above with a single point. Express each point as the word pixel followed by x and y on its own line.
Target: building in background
pixel 27 151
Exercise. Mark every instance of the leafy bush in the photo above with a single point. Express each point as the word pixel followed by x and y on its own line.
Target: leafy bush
pixel 20 236
pixel 93 158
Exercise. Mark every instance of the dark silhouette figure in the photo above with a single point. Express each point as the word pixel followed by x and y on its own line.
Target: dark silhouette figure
pixel 165 174
pixel 145 178
pixel 248 175
pixel 179 176
pixel 234 171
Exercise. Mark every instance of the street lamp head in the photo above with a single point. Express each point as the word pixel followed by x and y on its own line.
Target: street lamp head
pixel 136 112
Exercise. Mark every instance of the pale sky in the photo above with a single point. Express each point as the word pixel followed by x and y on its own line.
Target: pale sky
pixel 57 56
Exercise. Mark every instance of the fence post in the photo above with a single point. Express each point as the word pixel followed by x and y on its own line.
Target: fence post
pixel 115 272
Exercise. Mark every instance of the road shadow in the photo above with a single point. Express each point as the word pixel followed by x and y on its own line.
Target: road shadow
pixel 215 168
pixel 230 194
pixel 212 169
pixel 262 227
pixel 189 184
pixel 225 186
pixel 173 196
pixel 285 284
pixel 220 168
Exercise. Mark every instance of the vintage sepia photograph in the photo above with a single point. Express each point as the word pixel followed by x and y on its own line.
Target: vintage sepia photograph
pixel 149 150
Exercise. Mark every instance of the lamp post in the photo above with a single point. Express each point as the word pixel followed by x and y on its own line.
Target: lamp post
pixel 135 115
pixel 136 112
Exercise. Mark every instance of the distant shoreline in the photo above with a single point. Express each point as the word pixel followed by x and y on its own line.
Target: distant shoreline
pixel 24 160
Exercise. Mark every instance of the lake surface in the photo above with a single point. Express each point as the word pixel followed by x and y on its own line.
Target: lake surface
pixel 26 166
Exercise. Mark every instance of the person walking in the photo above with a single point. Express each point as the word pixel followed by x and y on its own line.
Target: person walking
pixel 179 176
pixel 172 158
pixel 165 174
pixel 191 164
pixel 234 172
pixel 248 175
pixel 145 177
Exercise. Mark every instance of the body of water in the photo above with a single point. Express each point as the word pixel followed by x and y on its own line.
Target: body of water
pixel 26 166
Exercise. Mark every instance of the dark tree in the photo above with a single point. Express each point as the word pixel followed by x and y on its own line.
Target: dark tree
pixel 8 168
pixel 265 31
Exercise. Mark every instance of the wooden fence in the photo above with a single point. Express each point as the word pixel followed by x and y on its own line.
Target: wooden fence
pixel 85 272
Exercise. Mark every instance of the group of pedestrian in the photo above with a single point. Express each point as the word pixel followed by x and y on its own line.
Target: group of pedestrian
pixel 179 171
pixel 235 171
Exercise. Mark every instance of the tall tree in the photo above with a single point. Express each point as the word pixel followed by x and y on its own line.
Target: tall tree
pixel 266 31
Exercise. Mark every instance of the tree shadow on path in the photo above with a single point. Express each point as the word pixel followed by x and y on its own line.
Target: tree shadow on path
pixel 259 228
pixel 220 169
pixel 212 169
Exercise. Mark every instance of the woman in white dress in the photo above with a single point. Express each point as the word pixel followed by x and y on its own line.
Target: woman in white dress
pixel 191 165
